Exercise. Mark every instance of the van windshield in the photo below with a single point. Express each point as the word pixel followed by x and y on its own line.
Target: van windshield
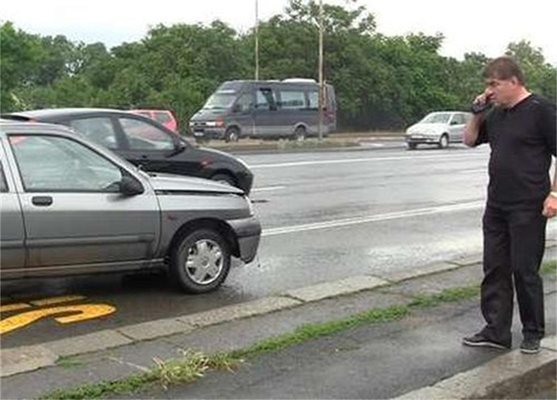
pixel 437 118
pixel 221 100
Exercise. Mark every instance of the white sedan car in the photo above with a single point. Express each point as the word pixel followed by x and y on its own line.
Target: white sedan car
pixel 438 128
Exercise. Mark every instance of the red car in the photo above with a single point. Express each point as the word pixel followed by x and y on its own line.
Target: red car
pixel 164 117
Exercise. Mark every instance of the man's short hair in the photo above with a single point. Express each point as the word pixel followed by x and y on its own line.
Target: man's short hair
pixel 503 68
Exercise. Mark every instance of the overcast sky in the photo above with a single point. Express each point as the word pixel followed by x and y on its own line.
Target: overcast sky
pixel 485 26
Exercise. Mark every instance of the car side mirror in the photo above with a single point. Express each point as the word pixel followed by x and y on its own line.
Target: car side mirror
pixel 454 122
pixel 129 186
pixel 237 108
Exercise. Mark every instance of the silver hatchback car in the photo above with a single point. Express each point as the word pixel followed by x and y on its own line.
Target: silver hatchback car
pixel 438 128
pixel 69 206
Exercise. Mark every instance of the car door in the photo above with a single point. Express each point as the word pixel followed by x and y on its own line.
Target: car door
pixel 242 114
pixel 12 233
pixel 456 127
pixel 155 149
pixel 73 211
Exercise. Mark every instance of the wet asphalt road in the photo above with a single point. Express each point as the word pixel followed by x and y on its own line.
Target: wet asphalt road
pixel 326 216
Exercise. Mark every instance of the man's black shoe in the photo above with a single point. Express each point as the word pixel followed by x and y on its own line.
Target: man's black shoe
pixel 530 346
pixel 479 340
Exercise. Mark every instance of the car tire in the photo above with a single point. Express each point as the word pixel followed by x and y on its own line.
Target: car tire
pixel 443 141
pixel 411 146
pixel 232 135
pixel 224 178
pixel 300 134
pixel 200 261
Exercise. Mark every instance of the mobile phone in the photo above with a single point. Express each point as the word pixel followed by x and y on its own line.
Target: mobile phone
pixel 478 107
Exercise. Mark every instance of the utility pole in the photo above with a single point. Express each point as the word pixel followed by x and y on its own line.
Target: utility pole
pixel 320 100
pixel 256 40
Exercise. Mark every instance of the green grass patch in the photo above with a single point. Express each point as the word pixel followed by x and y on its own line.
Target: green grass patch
pixel 549 267
pixel 314 331
pixel 446 296
pixel 68 362
pixel 186 369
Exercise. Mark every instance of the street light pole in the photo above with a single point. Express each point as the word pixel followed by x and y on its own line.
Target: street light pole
pixel 256 40
pixel 320 100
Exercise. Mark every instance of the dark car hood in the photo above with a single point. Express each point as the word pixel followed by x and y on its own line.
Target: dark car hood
pixel 208 114
pixel 179 183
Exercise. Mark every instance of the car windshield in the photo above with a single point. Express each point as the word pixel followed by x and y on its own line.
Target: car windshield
pixel 436 118
pixel 221 100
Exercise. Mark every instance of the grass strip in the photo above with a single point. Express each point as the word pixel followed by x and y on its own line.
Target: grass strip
pixel 317 330
pixel 186 369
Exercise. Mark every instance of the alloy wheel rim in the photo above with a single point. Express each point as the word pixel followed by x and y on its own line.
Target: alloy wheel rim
pixel 204 262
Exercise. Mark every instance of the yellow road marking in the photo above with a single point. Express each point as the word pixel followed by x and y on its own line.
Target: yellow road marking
pixel 13 307
pixel 55 300
pixel 84 312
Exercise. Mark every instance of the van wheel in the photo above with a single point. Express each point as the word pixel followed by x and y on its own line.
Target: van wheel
pixel 444 141
pixel 300 134
pixel 232 135
pixel 224 178
pixel 200 262
pixel 411 146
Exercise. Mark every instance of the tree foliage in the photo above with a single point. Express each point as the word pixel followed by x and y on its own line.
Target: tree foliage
pixel 382 82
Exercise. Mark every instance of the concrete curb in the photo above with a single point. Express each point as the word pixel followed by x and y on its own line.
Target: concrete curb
pixel 513 372
pixel 28 358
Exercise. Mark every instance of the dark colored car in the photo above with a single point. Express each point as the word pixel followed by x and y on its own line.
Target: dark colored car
pixel 146 143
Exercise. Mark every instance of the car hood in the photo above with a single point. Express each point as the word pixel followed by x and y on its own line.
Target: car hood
pixel 426 127
pixel 178 183
pixel 208 114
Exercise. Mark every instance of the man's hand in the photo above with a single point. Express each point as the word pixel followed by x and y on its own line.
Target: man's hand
pixel 550 206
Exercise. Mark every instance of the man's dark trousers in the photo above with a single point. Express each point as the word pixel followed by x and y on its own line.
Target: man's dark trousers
pixel 514 243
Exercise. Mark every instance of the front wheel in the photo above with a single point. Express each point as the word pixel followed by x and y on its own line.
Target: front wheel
pixel 200 262
pixel 300 134
pixel 444 141
pixel 232 135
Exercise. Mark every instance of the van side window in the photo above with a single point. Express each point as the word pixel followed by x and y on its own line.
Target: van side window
pixel 244 102
pixel 265 99
pixel 292 99
pixel 313 100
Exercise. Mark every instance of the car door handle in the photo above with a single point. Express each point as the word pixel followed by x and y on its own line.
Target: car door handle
pixel 42 200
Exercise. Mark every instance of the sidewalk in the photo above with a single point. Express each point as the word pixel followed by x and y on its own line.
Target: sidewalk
pixel 419 350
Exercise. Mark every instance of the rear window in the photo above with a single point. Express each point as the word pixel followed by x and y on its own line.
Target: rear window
pixel 162 117
pixel 98 129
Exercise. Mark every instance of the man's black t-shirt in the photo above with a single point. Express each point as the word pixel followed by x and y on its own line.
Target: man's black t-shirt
pixel 522 140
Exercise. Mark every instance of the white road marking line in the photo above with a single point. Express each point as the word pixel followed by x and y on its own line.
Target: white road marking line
pixel 372 218
pixel 473 171
pixel 359 160
pixel 268 188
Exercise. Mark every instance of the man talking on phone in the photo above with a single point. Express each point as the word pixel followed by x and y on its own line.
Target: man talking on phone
pixel 520 129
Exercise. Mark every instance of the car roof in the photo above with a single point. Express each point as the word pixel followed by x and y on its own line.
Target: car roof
pixel 48 113
pixel 22 127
